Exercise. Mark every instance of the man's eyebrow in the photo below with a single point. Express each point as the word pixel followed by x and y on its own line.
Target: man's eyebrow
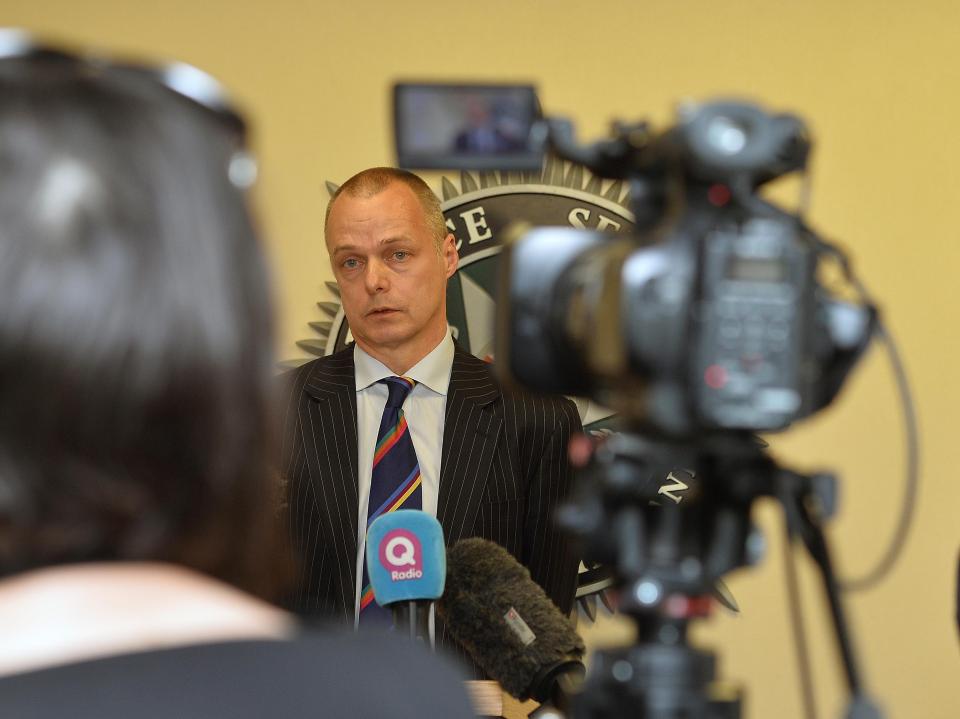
pixel 342 248
pixel 384 242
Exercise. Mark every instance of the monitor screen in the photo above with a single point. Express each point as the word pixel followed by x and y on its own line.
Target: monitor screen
pixel 467 127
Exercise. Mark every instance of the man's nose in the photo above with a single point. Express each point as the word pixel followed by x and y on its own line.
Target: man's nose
pixel 376 278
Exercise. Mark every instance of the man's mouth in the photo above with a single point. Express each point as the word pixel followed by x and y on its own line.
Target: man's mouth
pixel 382 312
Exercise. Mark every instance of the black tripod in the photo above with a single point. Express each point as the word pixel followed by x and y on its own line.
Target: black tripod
pixel 667 556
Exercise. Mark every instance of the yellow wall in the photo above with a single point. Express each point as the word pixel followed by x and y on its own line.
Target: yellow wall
pixel 877 81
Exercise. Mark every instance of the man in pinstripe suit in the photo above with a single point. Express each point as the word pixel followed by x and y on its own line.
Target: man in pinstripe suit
pixel 493 461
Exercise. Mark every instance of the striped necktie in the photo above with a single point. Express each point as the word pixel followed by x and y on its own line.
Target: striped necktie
pixel 395 482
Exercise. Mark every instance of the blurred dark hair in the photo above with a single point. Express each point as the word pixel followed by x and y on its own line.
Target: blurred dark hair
pixel 135 330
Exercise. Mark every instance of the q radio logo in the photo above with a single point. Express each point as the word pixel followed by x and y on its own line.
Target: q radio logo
pixel 401 554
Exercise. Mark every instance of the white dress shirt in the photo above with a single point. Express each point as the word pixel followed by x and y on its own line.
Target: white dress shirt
pixel 424 410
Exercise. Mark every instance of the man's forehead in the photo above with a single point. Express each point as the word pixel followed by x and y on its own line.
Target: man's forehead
pixel 376 217
pixel 396 199
pixel 369 222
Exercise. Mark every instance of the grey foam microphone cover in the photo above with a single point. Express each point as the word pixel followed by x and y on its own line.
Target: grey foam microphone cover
pixel 503 618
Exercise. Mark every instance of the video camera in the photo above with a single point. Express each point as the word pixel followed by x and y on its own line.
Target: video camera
pixel 711 317
pixel 708 324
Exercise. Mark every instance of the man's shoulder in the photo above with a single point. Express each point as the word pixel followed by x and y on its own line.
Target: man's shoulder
pixel 319 375
pixel 552 408
pixel 515 399
pixel 465 363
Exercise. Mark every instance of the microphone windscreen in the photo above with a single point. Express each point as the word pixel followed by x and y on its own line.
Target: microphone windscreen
pixel 406 557
pixel 502 617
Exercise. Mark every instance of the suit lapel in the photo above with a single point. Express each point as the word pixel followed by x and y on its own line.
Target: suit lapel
pixel 332 422
pixel 470 437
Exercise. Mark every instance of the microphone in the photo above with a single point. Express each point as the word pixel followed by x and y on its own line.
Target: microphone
pixel 507 623
pixel 407 566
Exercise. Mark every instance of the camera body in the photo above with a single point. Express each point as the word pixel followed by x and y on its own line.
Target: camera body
pixel 758 306
pixel 712 317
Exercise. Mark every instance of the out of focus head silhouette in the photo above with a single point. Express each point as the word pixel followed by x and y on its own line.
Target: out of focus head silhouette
pixel 135 418
pixel 135 353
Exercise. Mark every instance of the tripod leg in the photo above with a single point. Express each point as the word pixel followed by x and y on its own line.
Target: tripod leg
pixel 795 493
pixel 796 617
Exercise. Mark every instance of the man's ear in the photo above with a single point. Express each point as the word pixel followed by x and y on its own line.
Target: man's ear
pixel 451 258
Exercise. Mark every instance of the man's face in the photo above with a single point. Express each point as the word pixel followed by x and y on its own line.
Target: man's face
pixel 392 279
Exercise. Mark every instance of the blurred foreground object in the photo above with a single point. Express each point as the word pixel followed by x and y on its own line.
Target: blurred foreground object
pixel 137 494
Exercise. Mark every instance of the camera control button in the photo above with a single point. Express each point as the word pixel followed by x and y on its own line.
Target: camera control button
pixel 730 329
pixel 777 399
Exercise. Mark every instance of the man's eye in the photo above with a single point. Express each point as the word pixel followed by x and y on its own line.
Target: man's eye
pixel 351 263
pixel 400 255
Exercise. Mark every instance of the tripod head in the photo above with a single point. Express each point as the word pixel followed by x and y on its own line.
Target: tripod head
pixel 629 518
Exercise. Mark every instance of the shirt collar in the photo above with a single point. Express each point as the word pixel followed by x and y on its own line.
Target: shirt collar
pixel 433 371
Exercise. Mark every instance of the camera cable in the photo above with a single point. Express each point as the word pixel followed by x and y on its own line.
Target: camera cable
pixel 891 554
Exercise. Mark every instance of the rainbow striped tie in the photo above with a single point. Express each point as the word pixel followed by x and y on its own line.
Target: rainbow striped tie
pixel 395 483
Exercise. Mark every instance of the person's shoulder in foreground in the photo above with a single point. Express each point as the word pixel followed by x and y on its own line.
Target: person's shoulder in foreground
pixel 333 674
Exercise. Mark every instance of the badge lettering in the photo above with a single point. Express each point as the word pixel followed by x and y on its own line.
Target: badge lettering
pixel 667 489
pixel 579 216
pixel 476 223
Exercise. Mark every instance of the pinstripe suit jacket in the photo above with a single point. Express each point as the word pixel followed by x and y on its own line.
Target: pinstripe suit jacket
pixel 503 471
